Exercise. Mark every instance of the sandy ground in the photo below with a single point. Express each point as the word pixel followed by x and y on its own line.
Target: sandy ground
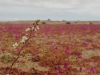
pixel 48 55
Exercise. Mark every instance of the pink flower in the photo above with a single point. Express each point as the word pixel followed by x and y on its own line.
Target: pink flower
pixel 92 69
pixel 17 33
pixel 86 45
pixel 67 52
pixel 59 70
pixel 3 50
pixel 56 49
pixel 80 69
pixel 67 48
pixel 26 45
pixel 36 51
pixel 65 64
pixel 19 49
pixel 79 56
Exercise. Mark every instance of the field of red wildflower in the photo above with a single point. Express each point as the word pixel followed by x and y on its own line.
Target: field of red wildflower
pixel 61 49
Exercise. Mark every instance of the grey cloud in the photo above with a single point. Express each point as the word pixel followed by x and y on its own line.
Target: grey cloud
pixel 4 4
pixel 48 7
pixel 55 3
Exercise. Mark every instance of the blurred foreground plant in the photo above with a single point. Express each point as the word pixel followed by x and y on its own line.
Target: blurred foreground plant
pixel 25 39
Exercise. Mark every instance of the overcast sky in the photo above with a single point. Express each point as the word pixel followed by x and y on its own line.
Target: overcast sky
pixel 49 9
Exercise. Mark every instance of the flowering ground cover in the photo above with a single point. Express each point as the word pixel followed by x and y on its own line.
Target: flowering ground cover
pixel 52 50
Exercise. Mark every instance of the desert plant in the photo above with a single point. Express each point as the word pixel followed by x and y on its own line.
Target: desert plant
pixel 68 23
pixel 43 22
pixel 48 19
pixel 6 58
pixel 90 22
pixel 75 22
pixel 24 41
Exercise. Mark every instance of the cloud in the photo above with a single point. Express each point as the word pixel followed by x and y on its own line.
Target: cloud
pixel 48 7
pixel 4 4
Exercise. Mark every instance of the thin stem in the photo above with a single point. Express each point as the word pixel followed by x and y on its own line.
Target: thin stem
pixel 23 46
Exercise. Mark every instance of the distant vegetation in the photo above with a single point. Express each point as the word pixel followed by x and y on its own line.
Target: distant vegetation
pixel 68 23
pixel 43 22
pixel 49 20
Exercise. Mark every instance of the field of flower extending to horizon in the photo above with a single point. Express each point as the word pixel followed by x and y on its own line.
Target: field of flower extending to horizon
pixel 51 50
